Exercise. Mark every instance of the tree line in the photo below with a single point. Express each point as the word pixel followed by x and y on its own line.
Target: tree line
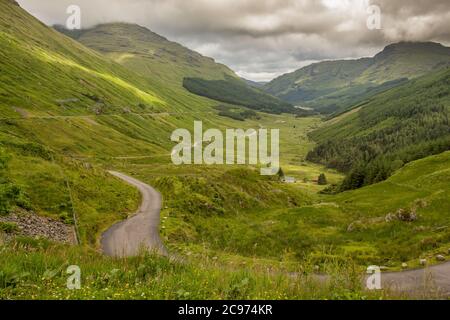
pixel 403 126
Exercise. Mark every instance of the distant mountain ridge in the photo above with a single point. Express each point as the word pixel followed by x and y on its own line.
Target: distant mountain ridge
pixel 334 86
pixel 172 65
pixel 256 84
pixel 144 51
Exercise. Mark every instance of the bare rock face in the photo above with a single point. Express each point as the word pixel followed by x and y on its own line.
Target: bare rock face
pixel 32 225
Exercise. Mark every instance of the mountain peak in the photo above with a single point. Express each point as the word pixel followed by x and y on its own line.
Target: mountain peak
pixel 410 46
pixel 131 29
pixel 115 29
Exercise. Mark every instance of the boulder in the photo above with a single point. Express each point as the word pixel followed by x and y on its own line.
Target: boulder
pixel 404 215
pixel 440 258
pixel 407 215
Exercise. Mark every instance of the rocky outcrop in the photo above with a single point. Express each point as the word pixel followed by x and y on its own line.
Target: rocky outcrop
pixel 30 224
pixel 404 215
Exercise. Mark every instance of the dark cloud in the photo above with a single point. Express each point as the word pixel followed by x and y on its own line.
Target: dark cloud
pixel 261 39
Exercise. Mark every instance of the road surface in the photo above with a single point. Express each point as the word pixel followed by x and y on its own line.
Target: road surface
pixel 140 233
pixel 420 282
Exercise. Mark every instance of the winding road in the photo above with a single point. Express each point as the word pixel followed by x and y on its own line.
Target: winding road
pixel 434 279
pixel 141 232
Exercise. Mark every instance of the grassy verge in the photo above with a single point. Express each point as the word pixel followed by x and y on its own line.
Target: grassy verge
pixel 31 269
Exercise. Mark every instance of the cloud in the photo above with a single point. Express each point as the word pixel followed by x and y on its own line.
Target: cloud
pixel 262 39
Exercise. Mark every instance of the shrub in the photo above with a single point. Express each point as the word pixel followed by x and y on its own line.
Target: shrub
pixel 11 195
pixel 322 180
pixel 8 227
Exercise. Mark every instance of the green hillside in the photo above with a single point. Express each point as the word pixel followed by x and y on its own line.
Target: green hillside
pixel 401 125
pixel 351 226
pixel 148 53
pixel 65 112
pixel 170 64
pixel 65 78
pixel 334 86
pixel 237 92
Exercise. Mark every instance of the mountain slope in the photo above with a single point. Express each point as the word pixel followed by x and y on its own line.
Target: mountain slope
pixel 334 86
pixel 168 63
pixel 44 73
pixel 398 126
pixel 237 92
pixel 148 53
pixel 256 84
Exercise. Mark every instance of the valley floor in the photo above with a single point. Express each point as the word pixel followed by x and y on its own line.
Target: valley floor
pixel 243 236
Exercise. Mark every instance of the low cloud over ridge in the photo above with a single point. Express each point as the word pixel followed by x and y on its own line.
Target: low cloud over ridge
pixel 261 39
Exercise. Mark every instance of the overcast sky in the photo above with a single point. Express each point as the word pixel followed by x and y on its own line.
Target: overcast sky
pixel 261 39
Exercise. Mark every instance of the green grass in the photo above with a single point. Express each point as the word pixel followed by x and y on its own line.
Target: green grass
pixel 316 229
pixel 37 270
pixel 8 227
pixel 59 187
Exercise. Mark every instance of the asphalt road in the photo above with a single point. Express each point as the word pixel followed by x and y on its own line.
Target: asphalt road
pixel 421 282
pixel 140 233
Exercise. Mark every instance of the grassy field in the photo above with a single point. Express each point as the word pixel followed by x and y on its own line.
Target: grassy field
pixel 37 270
